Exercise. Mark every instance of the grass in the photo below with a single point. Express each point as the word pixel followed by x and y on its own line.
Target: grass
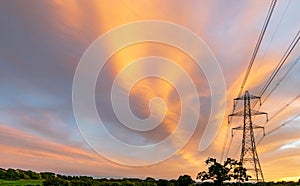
pixel 20 182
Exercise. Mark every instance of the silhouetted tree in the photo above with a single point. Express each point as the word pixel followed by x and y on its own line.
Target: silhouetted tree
pixel 185 180
pixel 162 182
pixel 220 173
pixel 149 179
pixel 173 182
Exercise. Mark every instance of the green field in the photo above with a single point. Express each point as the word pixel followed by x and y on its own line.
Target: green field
pixel 21 182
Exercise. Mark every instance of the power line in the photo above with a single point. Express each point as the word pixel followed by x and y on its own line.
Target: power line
pixel 277 69
pixel 282 78
pixel 271 78
pixel 280 110
pixel 280 126
pixel 257 46
pixel 228 149
pixel 280 81
pixel 277 113
pixel 276 30
pixel 284 107
pixel 225 142
pixel 280 64
pixel 254 54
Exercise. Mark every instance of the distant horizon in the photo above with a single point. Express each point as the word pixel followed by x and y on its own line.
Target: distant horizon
pixel 142 178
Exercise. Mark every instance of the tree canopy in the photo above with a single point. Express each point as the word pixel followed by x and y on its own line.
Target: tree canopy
pixel 230 169
pixel 185 180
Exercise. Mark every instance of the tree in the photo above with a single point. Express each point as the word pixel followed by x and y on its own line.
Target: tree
pixel 185 180
pixel 2 173
pixel 81 182
pixel 22 174
pixel 12 174
pixel 162 182
pixel 149 179
pixel 47 175
pixel 55 181
pixel 220 173
pixel 33 175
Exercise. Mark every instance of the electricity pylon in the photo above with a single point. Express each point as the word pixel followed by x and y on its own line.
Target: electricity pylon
pixel 249 156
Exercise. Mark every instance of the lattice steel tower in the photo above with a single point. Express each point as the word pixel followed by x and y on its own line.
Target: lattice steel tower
pixel 249 156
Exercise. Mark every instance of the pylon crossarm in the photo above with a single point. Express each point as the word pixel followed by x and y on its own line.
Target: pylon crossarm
pixel 255 112
pixel 236 128
pixel 239 98
pixel 259 127
pixel 239 113
pixel 243 97
pixel 253 97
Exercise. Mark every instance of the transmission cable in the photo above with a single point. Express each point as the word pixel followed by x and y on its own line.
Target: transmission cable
pixel 280 64
pixel 254 54
pixel 280 126
pixel 262 33
pixel 281 79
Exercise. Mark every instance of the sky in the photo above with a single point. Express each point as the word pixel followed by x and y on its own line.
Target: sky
pixel 42 42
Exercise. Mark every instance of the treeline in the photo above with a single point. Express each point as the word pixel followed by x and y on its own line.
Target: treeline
pixel 89 181
pixel 52 179
pixel 16 174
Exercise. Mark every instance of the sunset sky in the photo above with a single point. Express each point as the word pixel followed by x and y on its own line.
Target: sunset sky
pixel 42 42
